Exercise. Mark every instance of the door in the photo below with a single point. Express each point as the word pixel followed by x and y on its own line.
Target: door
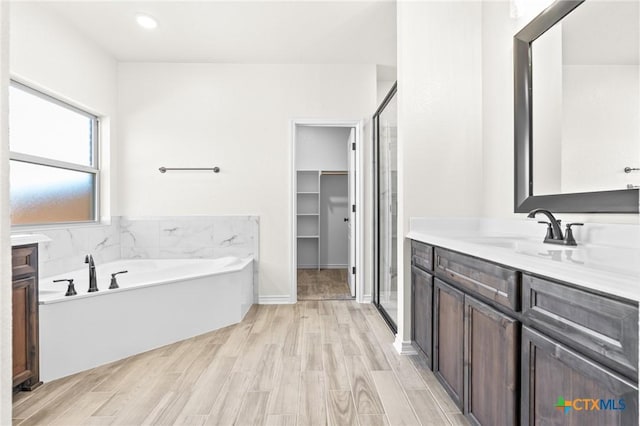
pixel 351 220
pixel 562 387
pixel 448 339
pixel 492 365
pixel 422 286
pixel 385 122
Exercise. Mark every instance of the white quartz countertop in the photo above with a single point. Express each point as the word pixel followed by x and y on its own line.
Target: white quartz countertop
pixel 22 239
pixel 607 258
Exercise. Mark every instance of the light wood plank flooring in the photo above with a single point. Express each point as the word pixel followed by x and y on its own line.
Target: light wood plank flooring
pixel 323 284
pixel 312 363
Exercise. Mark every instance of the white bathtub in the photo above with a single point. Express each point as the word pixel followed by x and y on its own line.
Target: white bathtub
pixel 158 302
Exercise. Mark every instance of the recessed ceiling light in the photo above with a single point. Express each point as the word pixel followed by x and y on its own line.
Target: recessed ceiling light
pixel 146 21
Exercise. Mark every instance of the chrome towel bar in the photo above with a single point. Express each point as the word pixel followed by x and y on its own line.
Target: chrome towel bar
pixel 631 169
pixel 213 169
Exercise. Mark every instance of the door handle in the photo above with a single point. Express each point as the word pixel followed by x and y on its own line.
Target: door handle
pixel 346 219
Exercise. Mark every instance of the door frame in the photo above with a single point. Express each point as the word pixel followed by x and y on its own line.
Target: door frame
pixel 359 198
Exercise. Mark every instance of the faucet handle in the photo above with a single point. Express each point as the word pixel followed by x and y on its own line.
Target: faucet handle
pixel 71 290
pixel 549 230
pixel 114 281
pixel 568 235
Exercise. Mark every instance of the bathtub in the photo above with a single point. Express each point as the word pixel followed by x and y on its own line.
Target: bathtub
pixel 158 302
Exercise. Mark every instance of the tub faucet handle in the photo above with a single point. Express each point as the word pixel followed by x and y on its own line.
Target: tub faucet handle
pixel 114 281
pixel 71 290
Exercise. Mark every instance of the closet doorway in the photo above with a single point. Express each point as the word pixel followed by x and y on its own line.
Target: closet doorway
pixel 325 220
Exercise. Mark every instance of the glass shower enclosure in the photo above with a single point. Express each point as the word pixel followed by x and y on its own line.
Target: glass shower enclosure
pixel 385 125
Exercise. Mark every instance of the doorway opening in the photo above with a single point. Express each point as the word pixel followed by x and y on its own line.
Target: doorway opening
pixel 325 215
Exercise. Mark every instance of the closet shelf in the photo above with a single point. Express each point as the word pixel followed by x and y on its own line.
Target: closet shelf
pixel 308 214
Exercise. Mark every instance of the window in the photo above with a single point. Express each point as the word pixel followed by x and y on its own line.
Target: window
pixel 53 160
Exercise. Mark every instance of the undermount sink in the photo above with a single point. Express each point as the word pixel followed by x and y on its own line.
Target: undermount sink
pixel 514 243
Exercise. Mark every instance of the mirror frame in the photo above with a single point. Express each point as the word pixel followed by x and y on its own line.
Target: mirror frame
pixel 616 201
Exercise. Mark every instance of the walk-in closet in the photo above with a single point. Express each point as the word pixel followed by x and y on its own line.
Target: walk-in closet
pixel 322 211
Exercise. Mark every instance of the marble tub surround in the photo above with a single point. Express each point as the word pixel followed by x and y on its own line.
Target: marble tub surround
pixel 162 237
pixel 191 237
pixel 182 237
pixel 22 239
pixel 607 257
pixel 67 246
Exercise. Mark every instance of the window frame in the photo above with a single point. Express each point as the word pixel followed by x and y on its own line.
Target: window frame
pixel 93 169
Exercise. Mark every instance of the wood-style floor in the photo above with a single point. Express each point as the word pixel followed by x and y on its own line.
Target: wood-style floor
pixel 323 284
pixel 312 363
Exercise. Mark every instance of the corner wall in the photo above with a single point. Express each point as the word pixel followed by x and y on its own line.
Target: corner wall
pixel 6 365
pixel 237 117
pixel 439 122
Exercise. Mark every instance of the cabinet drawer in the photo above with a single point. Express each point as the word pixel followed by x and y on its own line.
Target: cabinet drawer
pixel 422 255
pixel 494 282
pixel 24 260
pixel 602 328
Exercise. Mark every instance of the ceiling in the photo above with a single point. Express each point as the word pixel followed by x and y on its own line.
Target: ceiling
pixel 302 32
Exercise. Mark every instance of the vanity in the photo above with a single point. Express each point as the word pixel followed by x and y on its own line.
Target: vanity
pixel 24 285
pixel 25 318
pixel 521 332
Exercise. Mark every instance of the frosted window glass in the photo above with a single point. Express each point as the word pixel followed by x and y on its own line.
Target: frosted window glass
pixel 42 127
pixel 42 194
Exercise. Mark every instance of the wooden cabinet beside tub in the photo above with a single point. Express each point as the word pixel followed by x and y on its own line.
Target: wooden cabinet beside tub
pixel 24 277
pixel 506 344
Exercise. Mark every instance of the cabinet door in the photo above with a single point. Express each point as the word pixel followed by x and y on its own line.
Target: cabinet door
pixel 448 309
pixel 491 360
pixel 422 284
pixel 562 387
pixel 24 305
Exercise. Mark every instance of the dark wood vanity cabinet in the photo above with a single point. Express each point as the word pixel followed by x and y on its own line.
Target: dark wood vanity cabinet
pixel 507 344
pixel 24 272
pixel 422 288
pixel 561 386
pixel 448 339
pixel 491 365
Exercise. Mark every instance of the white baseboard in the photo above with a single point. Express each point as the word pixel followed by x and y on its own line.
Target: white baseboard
pixel 274 300
pixel 367 298
pixel 404 347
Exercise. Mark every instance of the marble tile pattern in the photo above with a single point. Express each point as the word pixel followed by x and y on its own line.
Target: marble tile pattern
pixel 191 237
pixel 165 237
pixel 68 247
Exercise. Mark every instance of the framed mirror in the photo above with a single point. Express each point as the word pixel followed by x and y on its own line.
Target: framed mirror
pixel 577 108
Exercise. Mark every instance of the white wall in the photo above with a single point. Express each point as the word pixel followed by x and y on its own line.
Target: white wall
pixel 439 120
pixel 600 129
pixel 6 365
pixel 547 112
pixel 322 148
pixel 238 118
pixel 48 54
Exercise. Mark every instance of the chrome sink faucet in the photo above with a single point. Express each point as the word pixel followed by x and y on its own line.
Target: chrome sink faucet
pixel 93 282
pixel 554 232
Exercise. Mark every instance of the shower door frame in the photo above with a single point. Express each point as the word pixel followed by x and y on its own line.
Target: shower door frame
pixel 376 207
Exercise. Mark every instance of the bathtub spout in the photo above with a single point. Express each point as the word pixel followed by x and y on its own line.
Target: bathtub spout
pixel 93 283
